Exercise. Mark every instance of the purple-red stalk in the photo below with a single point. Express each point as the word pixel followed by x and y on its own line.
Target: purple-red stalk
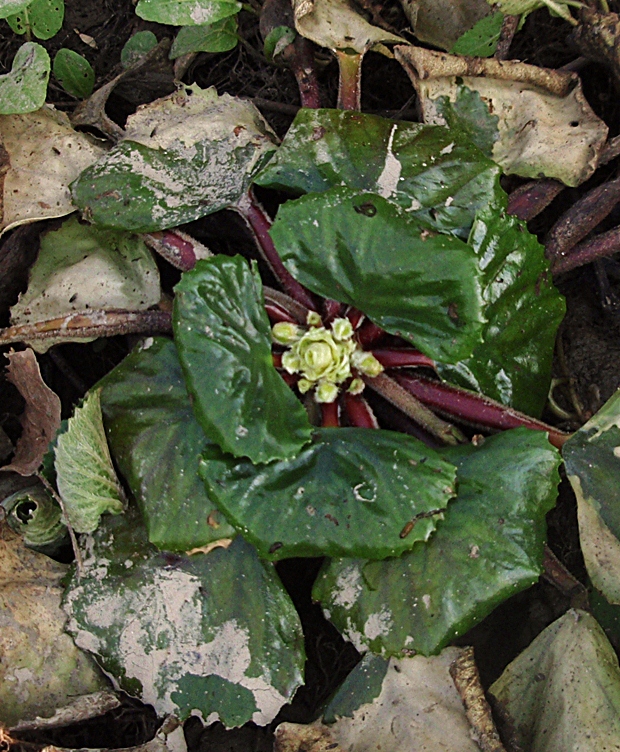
pixel 402 358
pixel 329 415
pixel 359 412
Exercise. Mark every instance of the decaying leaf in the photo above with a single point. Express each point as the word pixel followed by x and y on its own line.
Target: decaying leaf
pixel 562 694
pixel 36 516
pixel 417 708
pixel 82 267
pixel 41 417
pixel 546 126
pixel 45 155
pixel 442 22
pixel 592 457
pixel 85 475
pixel 41 669
pixel 597 38
pixel 76 710
pixel 336 25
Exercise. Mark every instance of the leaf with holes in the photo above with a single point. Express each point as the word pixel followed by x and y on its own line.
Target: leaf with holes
pixel 43 18
pixel 433 173
pixel 156 442
pixel 421 285
pixel 489 547
pixel 74 72
pixel 210 633
pixel 224 341
pixel 23 89
pixel 182 157
pixel 351 492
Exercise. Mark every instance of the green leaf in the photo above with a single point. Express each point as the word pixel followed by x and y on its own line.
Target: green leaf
pixel 156 443
pixel 183 157
pixel 481 40
pixel 74 72
pixel 136 47
pixel 220 36
pixel 186 12
pixel 469 114
pixel 224 341
pixel 360 687
pixel 210 633
pixel 352 492
pixel 420 285
pixel 10 7
pixel 563 691
pixel 278 40
pixel 592 457
pixel 25 87
pixel 85 476
pixel 43 18
pixel 523 310
pixel 489 547
pixel 431 172
pixel 517 7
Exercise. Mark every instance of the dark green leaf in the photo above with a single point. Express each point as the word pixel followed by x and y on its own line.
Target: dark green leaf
pixel 352 492
pixel 23 89
pixel 489 547
pixel 224 341
pixel 220 36
pixel 360 687
pixel 592 457
pixel 74 72
pixel 420 285
pixel 523 310
pixel 431 172
pixel 156 442
pixel 214 633
pixel 470 115
pixel 481 40
pixel 43 18
pixel 136 47
pixel 183 157
pixel 278 40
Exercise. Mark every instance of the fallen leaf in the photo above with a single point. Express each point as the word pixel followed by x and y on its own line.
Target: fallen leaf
pixel 442 22
pixel 546 127
pixel 41 417
pixel 41 669
pixel 45 156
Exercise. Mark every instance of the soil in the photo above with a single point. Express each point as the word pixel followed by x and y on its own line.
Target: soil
pixel 588 353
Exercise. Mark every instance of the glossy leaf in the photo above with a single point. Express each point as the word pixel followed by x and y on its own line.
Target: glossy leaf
pixel 42 18
pixel 24 88
pixel 74 72
pixel 85 476
pixel 183 156
pixel 523 309
pixel 469 114
pixel 489 547
pixel 156 443
pixel 431 172
pixel 224 341
pixel 210 633
pixel 592 457
pixel 563 692
pixel 137 46
pixel 220 36
pixel 352 492
pixel 481 40
pixel 422 286
pixel 186 12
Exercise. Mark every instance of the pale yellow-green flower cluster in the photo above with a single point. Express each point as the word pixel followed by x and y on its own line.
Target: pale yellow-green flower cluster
pixel 324 358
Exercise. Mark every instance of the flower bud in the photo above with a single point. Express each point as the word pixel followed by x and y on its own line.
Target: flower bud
pixel 356 386
pixel 326 392
pixel 366 363
pixel 342 329
pixel 285 333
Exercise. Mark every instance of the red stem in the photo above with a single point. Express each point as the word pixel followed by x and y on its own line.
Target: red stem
pixel 259 223
pixel 349 83
pixel 527 201
pixel 329 415
pixel 359 412
pixel 402 358
pixel 177 247
pixel 276 357
pixel 300 57
pixel 368 334
pixel 472 408
pixel 600 246
pixel 356 317
pixel 278 314
pixel 332 309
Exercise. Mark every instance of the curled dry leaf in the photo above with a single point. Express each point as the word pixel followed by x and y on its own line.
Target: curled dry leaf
pixel 545 125
pixel 335 25
pixel 41 155
pixel 41 417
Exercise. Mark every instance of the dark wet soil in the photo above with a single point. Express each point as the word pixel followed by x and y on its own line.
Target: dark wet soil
pixel 587 361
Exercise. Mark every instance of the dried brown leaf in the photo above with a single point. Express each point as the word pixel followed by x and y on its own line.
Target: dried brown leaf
pixel 41 417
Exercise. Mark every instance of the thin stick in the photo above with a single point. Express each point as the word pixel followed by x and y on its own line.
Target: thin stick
pixel 79 564
pixel 506 35
pixel 349 82
pixel 464 673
